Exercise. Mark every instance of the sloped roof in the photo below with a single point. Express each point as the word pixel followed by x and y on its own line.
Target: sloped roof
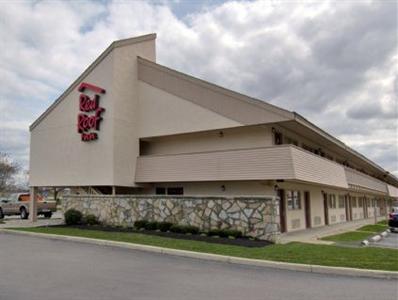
pixel 236 106
pixel 115 44
pixel 233 105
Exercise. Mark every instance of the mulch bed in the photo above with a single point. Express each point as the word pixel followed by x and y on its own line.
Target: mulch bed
pixel 244 241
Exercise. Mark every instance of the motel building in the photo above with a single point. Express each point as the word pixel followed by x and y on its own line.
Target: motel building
pixel 134 139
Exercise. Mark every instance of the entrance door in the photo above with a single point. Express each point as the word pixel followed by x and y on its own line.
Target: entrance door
pixel 307 202
pixel 326 208
pixel 282 209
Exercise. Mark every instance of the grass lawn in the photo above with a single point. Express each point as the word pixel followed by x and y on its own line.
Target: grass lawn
pixel 364 258
pixel 350 236
pixel 373 228
pixel 356 236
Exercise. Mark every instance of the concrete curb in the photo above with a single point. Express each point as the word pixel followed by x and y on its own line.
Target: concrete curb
pixel 376 238
pixel 219 258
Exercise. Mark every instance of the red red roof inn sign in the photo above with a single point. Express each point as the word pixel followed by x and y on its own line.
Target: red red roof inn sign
pixel 89 118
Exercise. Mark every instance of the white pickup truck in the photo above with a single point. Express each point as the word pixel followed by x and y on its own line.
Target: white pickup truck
pixel 18 204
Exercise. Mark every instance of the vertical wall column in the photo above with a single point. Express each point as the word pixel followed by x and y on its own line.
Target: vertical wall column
pixel 33 204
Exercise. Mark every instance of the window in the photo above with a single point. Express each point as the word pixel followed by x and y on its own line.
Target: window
pixel 328 156
pixel 332 200
pixel 289 140
pixel 341 201
pixel 170 191
pixel 278 138
pixel 160 191
pixel 313 150
pixel 293 200
pixel 354 201
pixel 360 202
pixel 175 191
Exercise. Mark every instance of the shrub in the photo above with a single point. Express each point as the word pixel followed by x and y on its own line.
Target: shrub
pixel 214 232
pixel 91 220
pixel 191 229
pixel 152 225
pixel 234 233
pixel 177 228
pixel 73 217
pixel 165 226
pixel 184 229
pixel 140 224
pixel 225 233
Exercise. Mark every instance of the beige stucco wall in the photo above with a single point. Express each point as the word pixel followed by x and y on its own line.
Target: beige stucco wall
pixel 58 157
pixel 357 212
pixel 232 188
pixel 162 113
pixel 126 115
pixel 296 218
pixel 233 138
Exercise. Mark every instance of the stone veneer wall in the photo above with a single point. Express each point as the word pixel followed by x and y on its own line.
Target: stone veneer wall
pixel 254 216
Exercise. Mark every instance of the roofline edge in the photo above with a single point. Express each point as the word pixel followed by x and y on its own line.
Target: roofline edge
pixel 113 45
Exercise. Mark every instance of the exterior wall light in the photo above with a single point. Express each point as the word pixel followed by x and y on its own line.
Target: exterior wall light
pixel 223 188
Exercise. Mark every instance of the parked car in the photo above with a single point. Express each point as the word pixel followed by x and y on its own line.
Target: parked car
pixel 393 221
pixel 18 204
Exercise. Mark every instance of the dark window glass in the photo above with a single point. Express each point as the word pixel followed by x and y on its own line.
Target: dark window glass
pixel 278 138
pixel 160 191
pixel 175 191
pixel 293 200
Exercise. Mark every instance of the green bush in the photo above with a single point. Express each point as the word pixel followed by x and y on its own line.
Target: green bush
pixel 225 233
pixel 234 233
pixel 152 225
pixel 177 228
pixel 73 217
pixel 165 226
pixel 191 229
pixel 140 224
pixel 214 232
pixel 184 229
pixel 91 220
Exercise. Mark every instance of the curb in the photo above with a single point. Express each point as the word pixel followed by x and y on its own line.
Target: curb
pixel 219 258
pixel 376 238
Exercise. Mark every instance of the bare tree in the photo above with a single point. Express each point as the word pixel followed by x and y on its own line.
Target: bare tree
pixel 8 169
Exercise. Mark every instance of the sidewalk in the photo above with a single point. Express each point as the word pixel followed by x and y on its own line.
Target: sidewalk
pixel 16 221
pixel 312 235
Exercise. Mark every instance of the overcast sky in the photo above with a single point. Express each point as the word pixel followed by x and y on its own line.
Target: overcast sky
pixel 335 63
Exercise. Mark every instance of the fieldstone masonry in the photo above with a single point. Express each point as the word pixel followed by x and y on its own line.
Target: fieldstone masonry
pixel 254 216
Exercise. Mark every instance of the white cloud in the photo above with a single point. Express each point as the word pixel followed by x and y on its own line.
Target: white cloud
pixel 332 62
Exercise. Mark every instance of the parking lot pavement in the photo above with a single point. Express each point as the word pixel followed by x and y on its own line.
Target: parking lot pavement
pixel 16 221
pixel 41 269
pixel 390 241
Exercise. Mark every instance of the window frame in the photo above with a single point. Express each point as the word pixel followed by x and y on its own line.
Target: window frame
pixel 294 197
pixel 332 201
pixel 341 201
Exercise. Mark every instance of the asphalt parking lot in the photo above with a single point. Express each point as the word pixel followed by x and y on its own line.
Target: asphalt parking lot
pixel 40 269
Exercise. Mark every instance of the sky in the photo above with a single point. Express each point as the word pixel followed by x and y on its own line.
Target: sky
pixel 335 63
